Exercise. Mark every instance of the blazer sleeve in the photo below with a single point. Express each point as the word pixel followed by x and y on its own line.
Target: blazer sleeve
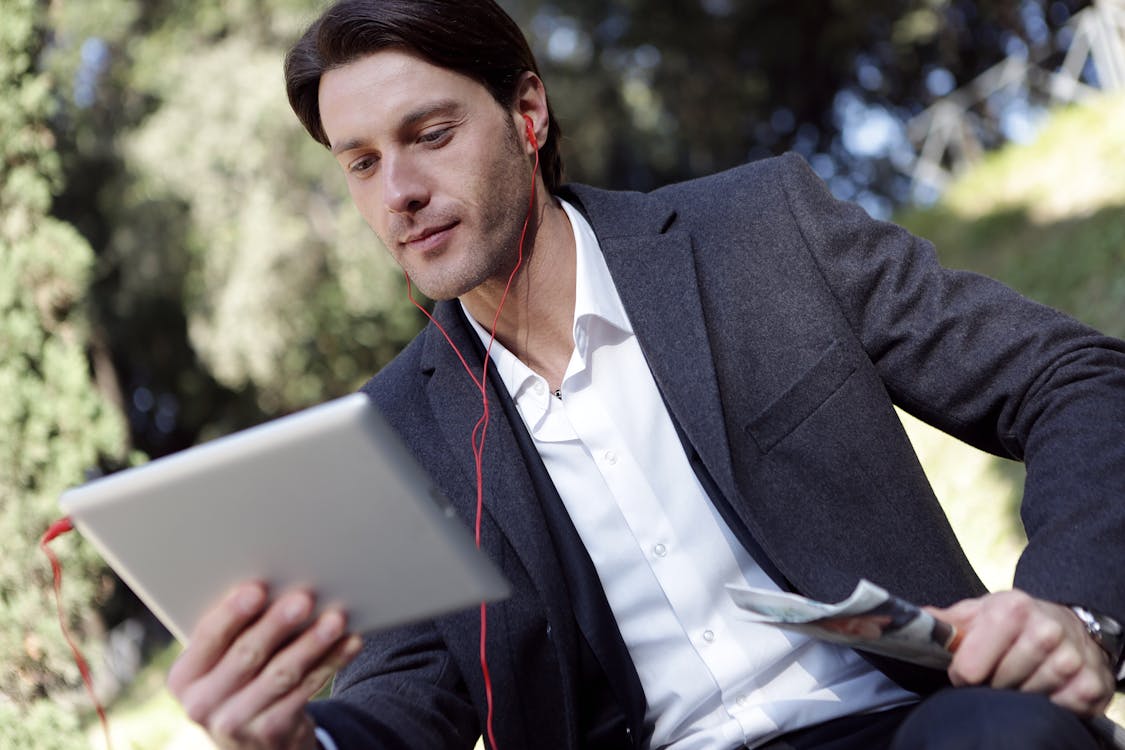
pixel 402 692
pixel 996 370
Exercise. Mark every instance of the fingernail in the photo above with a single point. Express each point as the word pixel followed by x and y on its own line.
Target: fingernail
pixel 297 609
pixel 330 627
pixel 250 599
pixel 352 647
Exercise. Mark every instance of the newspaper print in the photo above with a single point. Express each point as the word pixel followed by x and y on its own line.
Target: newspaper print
pixel 870 619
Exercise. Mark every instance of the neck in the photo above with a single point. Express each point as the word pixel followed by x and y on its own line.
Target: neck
pixel 538 313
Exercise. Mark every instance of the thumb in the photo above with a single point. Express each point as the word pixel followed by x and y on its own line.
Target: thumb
pixel 960 614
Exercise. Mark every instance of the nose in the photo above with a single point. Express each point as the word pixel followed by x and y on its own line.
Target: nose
pixel 404 186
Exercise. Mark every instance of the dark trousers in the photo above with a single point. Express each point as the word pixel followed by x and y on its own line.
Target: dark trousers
pixel 952 719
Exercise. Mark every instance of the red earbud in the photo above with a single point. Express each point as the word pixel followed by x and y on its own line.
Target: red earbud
pixel 531 132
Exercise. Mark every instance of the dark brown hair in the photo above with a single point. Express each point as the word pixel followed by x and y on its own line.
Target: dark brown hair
pixel 473 37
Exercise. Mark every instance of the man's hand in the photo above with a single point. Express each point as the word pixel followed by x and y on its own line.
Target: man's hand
pixel 1011 640
pixel 250 669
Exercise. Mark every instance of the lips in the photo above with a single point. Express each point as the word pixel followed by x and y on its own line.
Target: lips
pixel 429 238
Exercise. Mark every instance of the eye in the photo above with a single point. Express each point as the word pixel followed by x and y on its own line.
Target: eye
pixel 363 165
pixel 435 137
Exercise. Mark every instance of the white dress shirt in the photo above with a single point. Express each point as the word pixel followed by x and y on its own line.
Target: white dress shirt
pixel 662 552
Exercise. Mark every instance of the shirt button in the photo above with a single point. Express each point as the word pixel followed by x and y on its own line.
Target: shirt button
pixel 708 635
pixel 540 389
pixel 660 550
pixel 742 700
pixel 610 458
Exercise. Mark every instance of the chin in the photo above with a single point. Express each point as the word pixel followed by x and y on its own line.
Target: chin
pixel 439 292
pixel 442 281
pixel 443 296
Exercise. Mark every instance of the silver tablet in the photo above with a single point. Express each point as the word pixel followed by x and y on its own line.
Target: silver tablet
pixel 328 498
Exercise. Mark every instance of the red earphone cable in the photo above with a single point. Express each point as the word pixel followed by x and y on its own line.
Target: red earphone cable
pixel 480 430
pixel 56 529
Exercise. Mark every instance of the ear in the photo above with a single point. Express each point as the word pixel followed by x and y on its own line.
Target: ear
pixel 531 103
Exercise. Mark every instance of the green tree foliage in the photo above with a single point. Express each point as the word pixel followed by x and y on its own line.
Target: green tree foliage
pixel 286 289
pixel 54 425
pixel 41 726
pixel 235 280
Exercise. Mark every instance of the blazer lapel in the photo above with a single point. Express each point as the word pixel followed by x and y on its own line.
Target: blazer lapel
pixel 509 498
pixel 511 505
pixel 653 268
pixel 521 499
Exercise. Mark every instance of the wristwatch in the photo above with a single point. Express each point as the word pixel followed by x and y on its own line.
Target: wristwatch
pixel 1107 633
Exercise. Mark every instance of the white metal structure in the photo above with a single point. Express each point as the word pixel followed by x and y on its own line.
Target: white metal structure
pixel 954 131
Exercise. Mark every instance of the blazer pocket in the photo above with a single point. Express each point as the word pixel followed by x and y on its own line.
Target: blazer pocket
pixel 798 402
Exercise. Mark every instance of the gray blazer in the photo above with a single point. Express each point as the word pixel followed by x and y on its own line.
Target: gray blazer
pixel 781 326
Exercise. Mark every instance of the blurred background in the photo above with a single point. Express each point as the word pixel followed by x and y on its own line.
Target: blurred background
pixel 179 260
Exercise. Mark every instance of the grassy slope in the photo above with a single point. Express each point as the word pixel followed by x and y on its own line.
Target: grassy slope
pixel 1047 218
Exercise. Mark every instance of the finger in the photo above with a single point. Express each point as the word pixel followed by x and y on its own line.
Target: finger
pixel 1088 693
pixel 214 634
pixel 317 647
pixel 959 614
pixel 1041 652
pixel 290 727
pixel 278 720
pixel 246 656
pixel 321 647
pixel 286 723
pixel 988 637
pixel 1056 671
pixel 1092 686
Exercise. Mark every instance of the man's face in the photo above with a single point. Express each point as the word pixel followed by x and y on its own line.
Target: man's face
pixel 434 165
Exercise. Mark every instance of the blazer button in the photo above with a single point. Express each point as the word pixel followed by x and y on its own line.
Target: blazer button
pixel 548 631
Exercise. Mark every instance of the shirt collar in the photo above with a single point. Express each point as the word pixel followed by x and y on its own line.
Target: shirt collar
pixel 595 295
pixel 595 298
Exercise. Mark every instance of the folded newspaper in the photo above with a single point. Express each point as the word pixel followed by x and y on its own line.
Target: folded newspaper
pixel 873 620
pixel 869 619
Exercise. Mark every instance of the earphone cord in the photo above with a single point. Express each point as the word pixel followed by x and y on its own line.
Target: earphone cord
pixel 56 529
pixel 481 428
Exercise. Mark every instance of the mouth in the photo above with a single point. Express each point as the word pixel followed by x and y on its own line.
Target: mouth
pixel 429 238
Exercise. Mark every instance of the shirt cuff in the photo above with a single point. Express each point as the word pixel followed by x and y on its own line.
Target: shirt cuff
pixel 325 739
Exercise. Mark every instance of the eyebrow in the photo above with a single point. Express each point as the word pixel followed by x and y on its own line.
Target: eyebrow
pixel 441 106
pixel 347 145
pixel 409 120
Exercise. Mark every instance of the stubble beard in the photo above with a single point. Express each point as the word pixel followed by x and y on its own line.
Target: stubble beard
pixel 505 195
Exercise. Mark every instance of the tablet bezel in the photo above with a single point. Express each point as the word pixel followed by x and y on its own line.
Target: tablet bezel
pixel 327 499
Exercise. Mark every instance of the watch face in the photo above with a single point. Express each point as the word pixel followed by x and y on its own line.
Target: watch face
pixel 1109 637
pixel 1105 631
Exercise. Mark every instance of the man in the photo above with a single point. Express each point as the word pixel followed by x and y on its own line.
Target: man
pixel 689 388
